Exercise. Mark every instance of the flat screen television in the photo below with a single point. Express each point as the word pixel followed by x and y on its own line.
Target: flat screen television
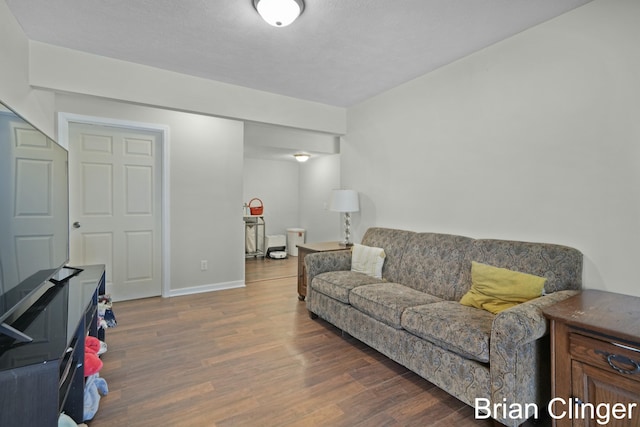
pixel 34 216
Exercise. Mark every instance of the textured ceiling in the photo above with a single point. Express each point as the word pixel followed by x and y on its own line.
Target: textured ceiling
pixel 339 52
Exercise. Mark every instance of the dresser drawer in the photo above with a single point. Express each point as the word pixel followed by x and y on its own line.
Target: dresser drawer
pixel 624 360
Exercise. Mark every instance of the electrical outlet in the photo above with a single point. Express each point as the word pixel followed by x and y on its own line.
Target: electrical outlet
pixel 203 265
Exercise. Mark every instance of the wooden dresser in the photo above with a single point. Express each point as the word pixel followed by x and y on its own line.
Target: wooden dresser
pixel 308 248
pixel 595 360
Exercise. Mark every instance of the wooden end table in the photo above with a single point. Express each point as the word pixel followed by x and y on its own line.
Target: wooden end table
pixel 308 248
pixel 595 358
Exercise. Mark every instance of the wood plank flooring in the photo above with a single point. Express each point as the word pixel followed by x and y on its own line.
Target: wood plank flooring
pixel 257 269
pixel 253 357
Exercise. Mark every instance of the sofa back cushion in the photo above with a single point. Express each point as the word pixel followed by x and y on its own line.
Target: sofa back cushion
pixel 433 263
pixel 394 243
pixel 560 265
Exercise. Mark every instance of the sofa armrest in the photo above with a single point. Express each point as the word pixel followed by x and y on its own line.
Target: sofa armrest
pixel 323 262
pixel 523 323
pixel 519 359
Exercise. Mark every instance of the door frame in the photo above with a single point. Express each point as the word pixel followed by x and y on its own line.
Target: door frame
pixel 65 119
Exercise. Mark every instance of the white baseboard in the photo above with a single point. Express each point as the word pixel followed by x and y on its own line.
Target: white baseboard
pixel 206 288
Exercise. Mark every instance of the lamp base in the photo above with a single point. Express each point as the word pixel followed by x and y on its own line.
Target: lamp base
pixel 347 230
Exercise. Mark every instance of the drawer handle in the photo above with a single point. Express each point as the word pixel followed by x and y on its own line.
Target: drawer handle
pixel 613 359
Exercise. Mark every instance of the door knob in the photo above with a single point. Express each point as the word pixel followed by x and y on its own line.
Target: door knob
pixel 76 224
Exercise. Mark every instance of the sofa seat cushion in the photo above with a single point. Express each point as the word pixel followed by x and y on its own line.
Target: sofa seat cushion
pixel 452 326
pixel 386 301
pixel 338 284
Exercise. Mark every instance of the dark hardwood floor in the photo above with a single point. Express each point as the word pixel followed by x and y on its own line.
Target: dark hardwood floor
pixel 253 357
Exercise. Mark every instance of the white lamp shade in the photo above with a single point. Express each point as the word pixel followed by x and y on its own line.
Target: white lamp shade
pixel 279 13
pixel 344 201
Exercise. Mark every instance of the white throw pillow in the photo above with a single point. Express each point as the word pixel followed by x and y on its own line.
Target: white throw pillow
pixel 367 260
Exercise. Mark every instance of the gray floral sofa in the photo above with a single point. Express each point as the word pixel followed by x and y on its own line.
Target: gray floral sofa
pixel 412 314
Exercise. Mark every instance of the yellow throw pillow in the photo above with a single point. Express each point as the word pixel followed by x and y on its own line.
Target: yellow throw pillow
pixel 495 289
pixel 367 260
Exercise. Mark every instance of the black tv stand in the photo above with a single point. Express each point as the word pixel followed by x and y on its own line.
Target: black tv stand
pixel 12 332
pixel 63 275
pixel 41 378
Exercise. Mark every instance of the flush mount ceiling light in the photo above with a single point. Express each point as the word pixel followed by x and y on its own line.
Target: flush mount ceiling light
pixel 279 13
pixel 301 157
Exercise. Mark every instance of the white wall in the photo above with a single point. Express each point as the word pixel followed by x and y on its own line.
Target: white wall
pixel 534 138
pixel 276 183
pixel 206 162
pixel 66 70
pixel 34 105
pixel 318 176
pixel 281 143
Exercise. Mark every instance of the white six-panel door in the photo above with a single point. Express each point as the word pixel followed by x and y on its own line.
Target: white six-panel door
pixel 115 206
